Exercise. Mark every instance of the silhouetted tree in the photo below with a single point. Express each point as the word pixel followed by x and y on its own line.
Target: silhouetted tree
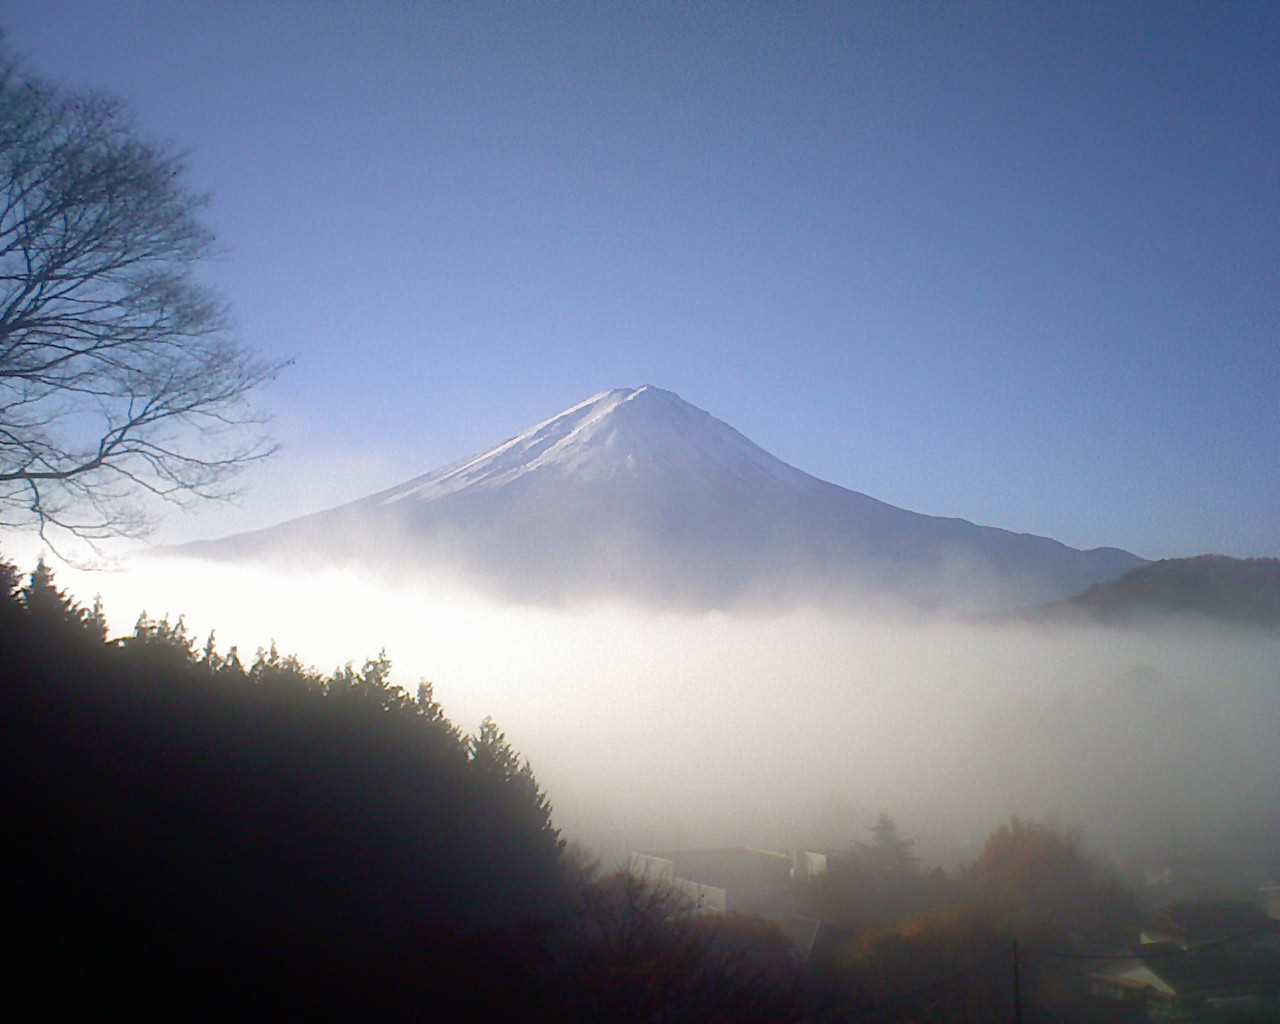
pixel 10 600
pixel 492 758
pixel 55 612
pixel 371 687
pixel 95 620
pixel 441 735
pixel 42 598
pixel 876 884
pixel 261 842
pixel 1037 881
pixel 118 373
pixel 642 954
pixel 284 676
pixel 889 852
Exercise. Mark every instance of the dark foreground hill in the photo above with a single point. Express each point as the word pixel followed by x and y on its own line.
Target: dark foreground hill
pixel 190 839
pixel 635 493
pixel 1242 591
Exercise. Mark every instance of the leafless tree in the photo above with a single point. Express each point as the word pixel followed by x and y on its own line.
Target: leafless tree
pixel 645 953
pixel 119 375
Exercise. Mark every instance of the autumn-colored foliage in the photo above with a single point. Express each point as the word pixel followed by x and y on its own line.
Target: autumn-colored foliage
pixel 1036 881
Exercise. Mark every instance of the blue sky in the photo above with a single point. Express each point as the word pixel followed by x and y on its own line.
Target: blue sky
pixel 1018 263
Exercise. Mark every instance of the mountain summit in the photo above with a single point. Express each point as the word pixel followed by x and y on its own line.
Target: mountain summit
pixel 628 433
pixel 636 493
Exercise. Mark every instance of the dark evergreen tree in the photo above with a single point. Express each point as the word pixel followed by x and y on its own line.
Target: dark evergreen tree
pixel 268 842
pixel 95 621
pixel 492 758
pixel 10 581
pixel 55 613
pixel 889 851
pixel 44 601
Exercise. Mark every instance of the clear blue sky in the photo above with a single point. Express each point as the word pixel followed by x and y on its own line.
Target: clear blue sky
pixel 1014 262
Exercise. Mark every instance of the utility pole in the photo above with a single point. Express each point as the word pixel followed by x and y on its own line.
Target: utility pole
pixel 1017 987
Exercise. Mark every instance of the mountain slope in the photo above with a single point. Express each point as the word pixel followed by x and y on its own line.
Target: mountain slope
pixel 635 492
pixel 1244 591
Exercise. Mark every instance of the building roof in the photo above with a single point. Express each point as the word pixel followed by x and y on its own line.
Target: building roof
pixel 1193 923
pixel 738 867
pixel 1179 973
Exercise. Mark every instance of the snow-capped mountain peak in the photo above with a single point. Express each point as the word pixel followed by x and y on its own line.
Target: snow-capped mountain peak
pixel 636 493
pixel 623 432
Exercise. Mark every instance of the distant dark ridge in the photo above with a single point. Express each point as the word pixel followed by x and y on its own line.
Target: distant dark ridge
pixel 1241 591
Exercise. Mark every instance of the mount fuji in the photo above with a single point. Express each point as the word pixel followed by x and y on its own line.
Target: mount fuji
pixel 635 493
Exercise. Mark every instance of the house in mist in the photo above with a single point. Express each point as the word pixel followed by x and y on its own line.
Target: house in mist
pixel 743 879
pixel 1181 876
pixel 1191 925
pixel 1165 979
pixel 747 880
pixel 1205 955
pixel 1269 898
pixel 807 865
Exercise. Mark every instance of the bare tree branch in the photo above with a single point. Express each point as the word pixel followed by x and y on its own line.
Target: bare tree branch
pixel 119 375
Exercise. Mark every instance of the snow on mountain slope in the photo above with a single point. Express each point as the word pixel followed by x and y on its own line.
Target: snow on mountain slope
pixel 624 432
pixel 636 493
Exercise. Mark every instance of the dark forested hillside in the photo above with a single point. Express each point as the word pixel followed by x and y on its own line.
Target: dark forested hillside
pixel 191 837
pixel 1244 591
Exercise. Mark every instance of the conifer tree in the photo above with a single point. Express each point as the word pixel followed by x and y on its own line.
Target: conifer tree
pixel 95 620
pixel 491 756
pixel 890 852
pixel 51 607
pixel 10 579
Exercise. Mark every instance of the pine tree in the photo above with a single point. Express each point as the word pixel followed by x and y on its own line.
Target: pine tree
pixel 10 597
pixel 889 851
pixel 492 757
pixel 50 607
pixel 10 578
pixel 95 620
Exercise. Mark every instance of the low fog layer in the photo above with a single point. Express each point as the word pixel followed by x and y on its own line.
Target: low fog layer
pixel 651 729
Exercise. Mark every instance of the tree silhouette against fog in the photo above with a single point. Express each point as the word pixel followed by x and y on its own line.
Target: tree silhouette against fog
pixel 874 884
pixel 254 841
pixel 890 852
pixel 1037 881
pixel 119 377
pixel 53 608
